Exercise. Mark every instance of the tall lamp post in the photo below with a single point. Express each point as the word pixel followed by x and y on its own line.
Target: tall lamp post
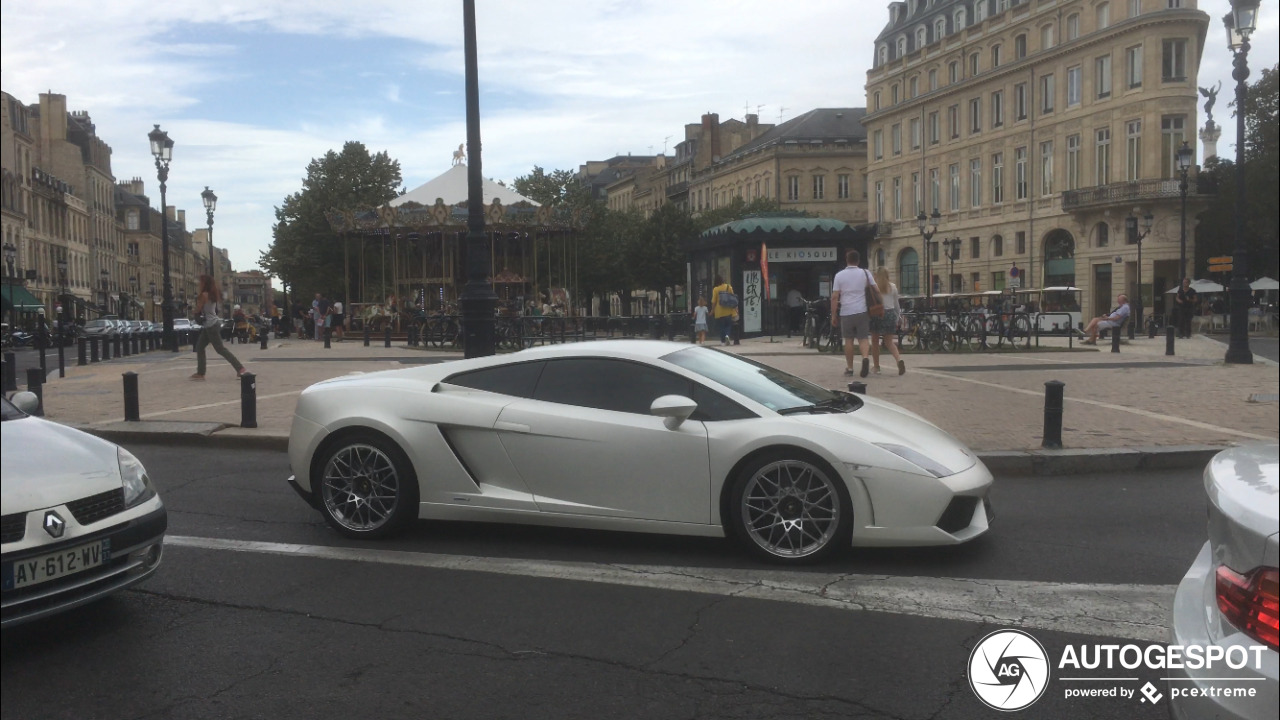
pixel 478 299
pixel 1240 23
pixel 105 280
pixel 133 292
pixel 62 298
pixel 10 256
pixel 162 149
pixel 1184 158
pixel 924 222
pixel 151 287
pixel 210 204
pixel 952 247
pixel 1131 228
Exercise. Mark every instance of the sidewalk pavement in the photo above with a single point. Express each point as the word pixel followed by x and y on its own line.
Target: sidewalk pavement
pixel 1136 409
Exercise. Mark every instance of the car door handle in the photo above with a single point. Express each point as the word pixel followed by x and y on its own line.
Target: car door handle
pixel 510 426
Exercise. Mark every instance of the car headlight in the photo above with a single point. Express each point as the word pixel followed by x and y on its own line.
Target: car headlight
pixel 924 462
pixel 137 484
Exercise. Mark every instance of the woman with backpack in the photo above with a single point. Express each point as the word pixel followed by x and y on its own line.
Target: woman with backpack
pixel 724 308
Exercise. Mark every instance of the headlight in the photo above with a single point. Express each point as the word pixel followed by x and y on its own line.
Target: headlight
pixel 926 463
pixel 137 485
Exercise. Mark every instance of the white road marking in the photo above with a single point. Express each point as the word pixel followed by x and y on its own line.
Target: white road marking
pixel 1135 612
pixel 1097 403
pixel 189 408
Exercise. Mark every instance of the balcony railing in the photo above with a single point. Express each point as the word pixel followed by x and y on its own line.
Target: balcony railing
pixel 1128 192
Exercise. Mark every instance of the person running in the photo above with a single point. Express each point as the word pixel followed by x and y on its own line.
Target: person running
pixel 211 332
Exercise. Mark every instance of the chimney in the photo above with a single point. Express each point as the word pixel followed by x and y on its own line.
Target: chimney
pixel 171 212
pixel 182 218
pixel 53 116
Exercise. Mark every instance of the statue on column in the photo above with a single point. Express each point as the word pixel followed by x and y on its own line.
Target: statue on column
pixel 1212 95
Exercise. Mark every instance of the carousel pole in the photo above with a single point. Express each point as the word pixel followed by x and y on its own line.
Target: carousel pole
pixel 478 298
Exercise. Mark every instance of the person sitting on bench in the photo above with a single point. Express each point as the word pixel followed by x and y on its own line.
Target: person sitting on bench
pixel 1114 321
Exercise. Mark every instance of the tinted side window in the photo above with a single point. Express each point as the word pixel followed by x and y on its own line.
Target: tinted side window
pixel 607 384
pixel 515 380
pixel 713 406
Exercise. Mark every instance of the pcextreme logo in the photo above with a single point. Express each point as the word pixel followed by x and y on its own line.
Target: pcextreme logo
pixel 1008 670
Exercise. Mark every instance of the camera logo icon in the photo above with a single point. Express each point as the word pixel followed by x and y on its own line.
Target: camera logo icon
pixel 1008 670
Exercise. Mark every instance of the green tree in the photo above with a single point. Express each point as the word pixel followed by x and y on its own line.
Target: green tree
pixel 554 188
pixel 305 252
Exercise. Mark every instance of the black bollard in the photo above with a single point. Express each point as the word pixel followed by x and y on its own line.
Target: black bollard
pixel 262 339
pixel 328 332
pixel 858 387
pixel 62 359
pixel 35 384
pixel 10 372
pixel 136 349
pixel 1168 340
pixel 81 357
pixel 366 336
pixel 386 337
pixel 131 397
pixel 248 401
pixel 1151 329
pixel 119 347
pixel 1053 414
pixel 1115 340
pixel 124 348
pixel 41 346
pixel 93 348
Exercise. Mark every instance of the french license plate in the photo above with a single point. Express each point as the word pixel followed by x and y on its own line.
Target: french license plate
pixel 43 568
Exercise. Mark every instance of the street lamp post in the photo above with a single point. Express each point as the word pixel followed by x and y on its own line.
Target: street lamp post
pixel 478 299
pixel 10 256
pixel 133 292
pixel 62 300
pixel 1240 23
pixel 923 222
pixel 1184 158
pixel 151 287
pixel 105 279
pixel 210 204
pixel 162 149
pixel 1131 227
pixel 952 248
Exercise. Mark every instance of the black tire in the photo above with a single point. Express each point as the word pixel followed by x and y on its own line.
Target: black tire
pixel 775 496
pixel 365 485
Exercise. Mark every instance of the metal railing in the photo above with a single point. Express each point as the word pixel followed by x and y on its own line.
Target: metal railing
pixel 1127 192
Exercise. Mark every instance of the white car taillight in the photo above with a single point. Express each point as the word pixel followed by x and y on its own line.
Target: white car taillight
pixel 1251 602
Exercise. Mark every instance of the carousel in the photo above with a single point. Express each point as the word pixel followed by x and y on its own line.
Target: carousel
pixel 405 261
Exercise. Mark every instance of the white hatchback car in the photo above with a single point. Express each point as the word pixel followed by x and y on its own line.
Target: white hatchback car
pixel 81 517
pixel 1227 604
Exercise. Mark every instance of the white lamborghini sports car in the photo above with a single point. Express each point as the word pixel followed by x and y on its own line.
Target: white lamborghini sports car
pixel 637 435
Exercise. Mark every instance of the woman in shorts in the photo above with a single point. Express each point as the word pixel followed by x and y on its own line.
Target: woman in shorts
pixel 885 328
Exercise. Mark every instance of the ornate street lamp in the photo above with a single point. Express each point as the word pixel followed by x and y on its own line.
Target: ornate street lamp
pixel 1137 236
pixel 10 255
pixel 162 149
pixel 151 287
pixel 105 278
pixel 922 221
pixel 1185 156
pixel 210 204
pixel 1240 25
pixel 951 246
pixel 478 299
pixel 62 282
pixel 133 292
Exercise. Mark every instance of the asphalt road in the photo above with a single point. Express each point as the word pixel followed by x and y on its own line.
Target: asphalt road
pixel 291 621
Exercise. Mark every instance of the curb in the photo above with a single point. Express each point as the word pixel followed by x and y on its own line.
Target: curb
pixel 1001 463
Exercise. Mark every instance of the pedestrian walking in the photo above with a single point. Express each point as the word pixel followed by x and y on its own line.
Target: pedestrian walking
pixel 337 320
pixel 211 331
pixel 884 329
pixel 724 308
pixel 700 320
pixel 849 310
pixel 1186 300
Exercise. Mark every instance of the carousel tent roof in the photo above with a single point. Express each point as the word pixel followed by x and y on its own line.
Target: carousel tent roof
pixel 770 224
pixel 451 186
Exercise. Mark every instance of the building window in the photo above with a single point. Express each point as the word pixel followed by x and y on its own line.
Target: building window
pixel 895 138
pixel 1133 66
pixel 894 92
pixel 959 19
pixel 908 269
pixel 933 79
pixel 1135 8
pixel 973 65
pixel 1046 168
pixel 793 187
pixel 1133 150
pixel 995 56
pixel 997 280
pixel 975 116
pixel 1073 27
pixel 819 186
pixel 913 127
pixel 897 198
pixel 939 28
pixel 979 12
pixel 913 86
pixel 953 121
pixel 921 37
pixel 1020 173
pixel 1102 235
pixel 953 72
pixel 1020 101
pixel 975 182
pixel 875 100
pixel 975 248
pixel 1175 60
pixel 131 220
pixel 1102 159
pixel 1172 134
pixel 997 246
pixel 842 187
pixel 1175 4
pixel 935 188
pixel 997 108
pixel 880 202
pixel 877 144
pixel 917 193
pixel 953 172
pixel 934 131
pixel 1020 240
pixel 1102 16
pixel 1073 86
pixel 902 47
pixel 997 178
pixel 1046 37
pixel 1102 76
pixel 1020 47
pixel 1073 162
pixel 1047 93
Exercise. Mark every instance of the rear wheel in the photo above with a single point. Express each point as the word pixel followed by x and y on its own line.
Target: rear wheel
pixel 1020 331
pixel 367 487
pixel 790 507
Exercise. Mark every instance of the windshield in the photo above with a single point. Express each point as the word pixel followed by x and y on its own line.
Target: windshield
pixel 8 411
pixel 768 386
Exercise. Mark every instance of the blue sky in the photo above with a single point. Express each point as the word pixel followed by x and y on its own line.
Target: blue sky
pixel 252 90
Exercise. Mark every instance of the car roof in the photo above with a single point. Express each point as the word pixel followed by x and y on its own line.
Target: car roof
pixel 649 349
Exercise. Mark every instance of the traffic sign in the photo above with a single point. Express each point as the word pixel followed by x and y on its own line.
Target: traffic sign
pixel 1223 260
pixel 1220 268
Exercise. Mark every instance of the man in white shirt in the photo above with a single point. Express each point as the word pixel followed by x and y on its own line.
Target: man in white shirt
pixel 849 309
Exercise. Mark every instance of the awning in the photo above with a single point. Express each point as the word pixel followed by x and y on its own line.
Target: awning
pixel 16 297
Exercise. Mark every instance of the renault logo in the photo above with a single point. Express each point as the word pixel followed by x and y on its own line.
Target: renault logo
pixel 54 524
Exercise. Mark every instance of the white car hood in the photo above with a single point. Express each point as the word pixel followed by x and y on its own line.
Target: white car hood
pixel 46 464
pixel 881 422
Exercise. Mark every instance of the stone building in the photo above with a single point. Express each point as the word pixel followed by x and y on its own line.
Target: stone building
pixel 1035 128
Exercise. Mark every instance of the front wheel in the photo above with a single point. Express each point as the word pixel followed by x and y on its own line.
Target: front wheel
pixel 368 488
pixel 790 508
